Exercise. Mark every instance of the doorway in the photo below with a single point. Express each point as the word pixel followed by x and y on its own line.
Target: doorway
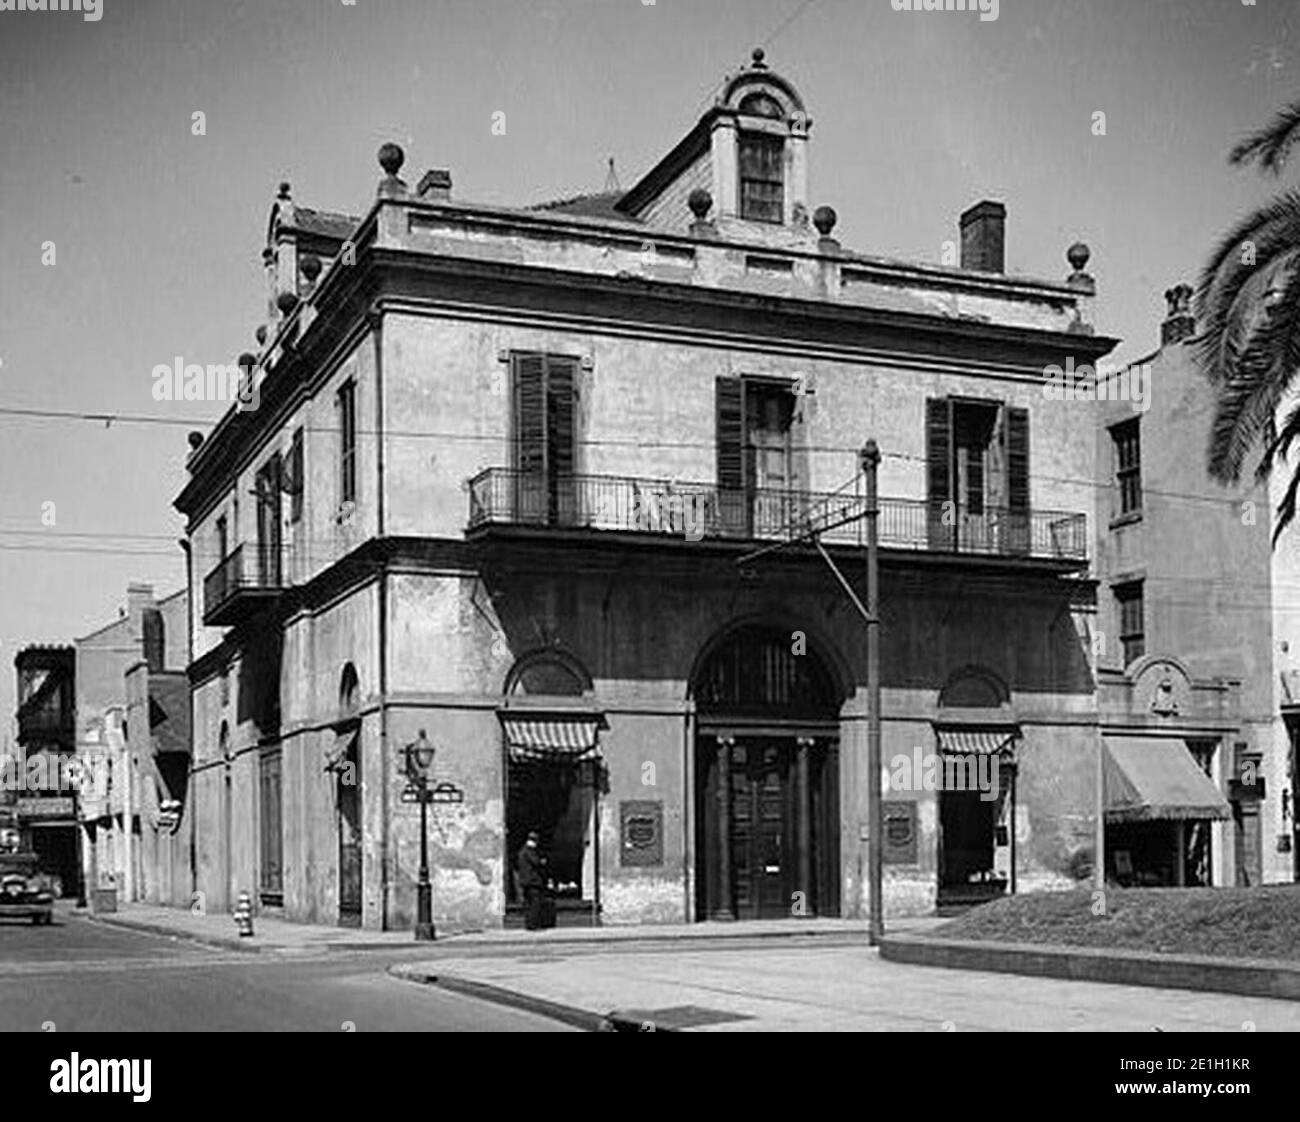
pixel 347 787
pixel 766 781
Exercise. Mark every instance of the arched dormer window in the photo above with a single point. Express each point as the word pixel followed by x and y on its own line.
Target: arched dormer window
pixel 762 175
pixel 761 105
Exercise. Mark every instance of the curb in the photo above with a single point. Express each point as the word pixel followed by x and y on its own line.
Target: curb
pixel 566 1014
pixel 1247 978
pixel 224 942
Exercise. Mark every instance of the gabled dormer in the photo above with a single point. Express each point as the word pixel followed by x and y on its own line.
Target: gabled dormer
pixel 749 152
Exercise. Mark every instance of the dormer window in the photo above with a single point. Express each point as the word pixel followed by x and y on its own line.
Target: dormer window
pixel 762 186
pixel 761 105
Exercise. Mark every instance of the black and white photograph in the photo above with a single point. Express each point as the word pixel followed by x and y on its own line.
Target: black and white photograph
pixel 729 516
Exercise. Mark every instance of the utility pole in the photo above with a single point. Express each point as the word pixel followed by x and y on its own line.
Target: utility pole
pixel 870 468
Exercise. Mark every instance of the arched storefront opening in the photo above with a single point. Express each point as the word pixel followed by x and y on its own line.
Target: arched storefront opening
pixel 766 778
pixel 554 779
pixel 345 762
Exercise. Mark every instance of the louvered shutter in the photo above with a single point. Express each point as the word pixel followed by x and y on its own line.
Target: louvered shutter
pixel 561 378
pixel 731 434
pixel 1017 437
pixel 1018 459
pixel 733 464
pixel 938 460
pixel 529 445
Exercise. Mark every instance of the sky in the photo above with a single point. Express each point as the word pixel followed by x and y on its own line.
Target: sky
pixel 157 233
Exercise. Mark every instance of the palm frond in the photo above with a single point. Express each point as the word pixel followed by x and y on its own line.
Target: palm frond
pixel 1253 356
pixel 1270 231
pixel 1270 146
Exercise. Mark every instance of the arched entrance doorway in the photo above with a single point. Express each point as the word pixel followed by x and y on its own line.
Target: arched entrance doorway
pixel 766 779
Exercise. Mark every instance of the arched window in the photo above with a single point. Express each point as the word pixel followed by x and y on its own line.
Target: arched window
pixel 756 668
pixel 349 692
pixel 549 674
pixel 761 105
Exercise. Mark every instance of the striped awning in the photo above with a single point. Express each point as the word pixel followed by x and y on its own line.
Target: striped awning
pixel 976 742
pixel 1150 778
pixel 556 737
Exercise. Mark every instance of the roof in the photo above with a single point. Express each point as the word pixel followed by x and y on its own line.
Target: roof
pixel 326 223
pixel 1152 778
pixel 603 204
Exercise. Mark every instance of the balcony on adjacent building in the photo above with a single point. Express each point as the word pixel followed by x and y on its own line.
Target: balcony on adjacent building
pixel 506 498
pixel 242 584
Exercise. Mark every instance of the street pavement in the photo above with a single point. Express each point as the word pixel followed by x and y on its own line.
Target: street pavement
pixel 78 975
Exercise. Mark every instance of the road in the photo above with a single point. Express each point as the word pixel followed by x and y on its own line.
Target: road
pixel 80 976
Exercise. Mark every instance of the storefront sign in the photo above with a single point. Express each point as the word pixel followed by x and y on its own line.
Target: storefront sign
pixel 900 830
pixel 45 808
pixel 642 832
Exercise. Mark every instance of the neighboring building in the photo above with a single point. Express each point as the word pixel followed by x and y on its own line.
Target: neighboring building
pixel 40 780
pixel 1196 787
pixel 504 464
pixel 133 722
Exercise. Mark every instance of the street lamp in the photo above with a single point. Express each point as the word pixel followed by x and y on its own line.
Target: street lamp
pixel 419 767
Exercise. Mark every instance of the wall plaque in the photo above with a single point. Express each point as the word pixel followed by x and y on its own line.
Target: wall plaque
pixel 641 832
pixel 899 819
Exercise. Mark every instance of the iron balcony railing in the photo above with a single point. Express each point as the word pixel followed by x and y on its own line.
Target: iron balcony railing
pixel 232 580
pixel 698 511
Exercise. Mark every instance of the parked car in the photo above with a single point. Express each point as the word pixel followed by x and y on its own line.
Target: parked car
pixel 24 889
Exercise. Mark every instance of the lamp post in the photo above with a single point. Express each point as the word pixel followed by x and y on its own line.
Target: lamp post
pixel 419 766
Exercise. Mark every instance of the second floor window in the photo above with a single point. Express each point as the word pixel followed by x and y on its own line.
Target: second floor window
pixel 762 185
pixel 1128 466
pixel 223 538
pixel 347 405
pixel 295 478
pixel 1132 635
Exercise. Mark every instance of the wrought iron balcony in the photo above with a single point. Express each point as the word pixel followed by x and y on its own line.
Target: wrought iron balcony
pixel 700 511
pixel 234 590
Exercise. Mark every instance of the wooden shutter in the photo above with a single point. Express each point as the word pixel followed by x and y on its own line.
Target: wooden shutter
pixel 528 448
pixel 938 450
pixel 730 400
pixel 1017 459
pixel 560 381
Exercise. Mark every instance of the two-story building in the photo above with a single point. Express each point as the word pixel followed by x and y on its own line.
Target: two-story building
pixel 504 483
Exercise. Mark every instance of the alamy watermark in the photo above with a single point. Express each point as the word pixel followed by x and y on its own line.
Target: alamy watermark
pixel 92 11
pixel 947 771
pixel 988 9
pixel 1088 383
pixel 193 382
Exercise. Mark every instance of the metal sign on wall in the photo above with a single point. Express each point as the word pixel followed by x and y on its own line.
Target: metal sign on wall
pixel 641 832
pixel 900 832
pixel 45 807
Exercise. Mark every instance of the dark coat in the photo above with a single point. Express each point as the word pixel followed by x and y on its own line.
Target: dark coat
pixel 531 867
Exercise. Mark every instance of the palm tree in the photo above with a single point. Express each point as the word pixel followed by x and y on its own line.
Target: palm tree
pixel 1249 308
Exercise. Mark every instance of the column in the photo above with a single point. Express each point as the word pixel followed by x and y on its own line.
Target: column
pixel 722 909
pixel 803 792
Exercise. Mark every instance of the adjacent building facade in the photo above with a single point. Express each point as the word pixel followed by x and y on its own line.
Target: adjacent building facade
pixel 1198 786
pixel 39 779
pixel 133 735
pixel 506 485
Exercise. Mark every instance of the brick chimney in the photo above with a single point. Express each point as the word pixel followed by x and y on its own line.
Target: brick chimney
pixel 983 237
pixel 1179 322
pixel 435 185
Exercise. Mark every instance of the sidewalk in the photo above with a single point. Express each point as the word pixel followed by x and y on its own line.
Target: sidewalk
pixel 282 937
pixel 820 986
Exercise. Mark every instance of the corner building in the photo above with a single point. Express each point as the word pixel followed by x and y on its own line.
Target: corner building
pixel 504 467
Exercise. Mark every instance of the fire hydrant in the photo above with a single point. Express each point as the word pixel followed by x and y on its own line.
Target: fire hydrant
pixel 244 914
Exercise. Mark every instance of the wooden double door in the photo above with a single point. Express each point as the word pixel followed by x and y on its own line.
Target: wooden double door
pixel 767 827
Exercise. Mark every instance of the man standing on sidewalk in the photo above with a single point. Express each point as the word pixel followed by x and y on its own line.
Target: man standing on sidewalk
pixel 531 869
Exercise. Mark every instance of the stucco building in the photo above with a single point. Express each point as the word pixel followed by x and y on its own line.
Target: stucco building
pixel 503 469
pixel 1198 784
pixel 133 737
